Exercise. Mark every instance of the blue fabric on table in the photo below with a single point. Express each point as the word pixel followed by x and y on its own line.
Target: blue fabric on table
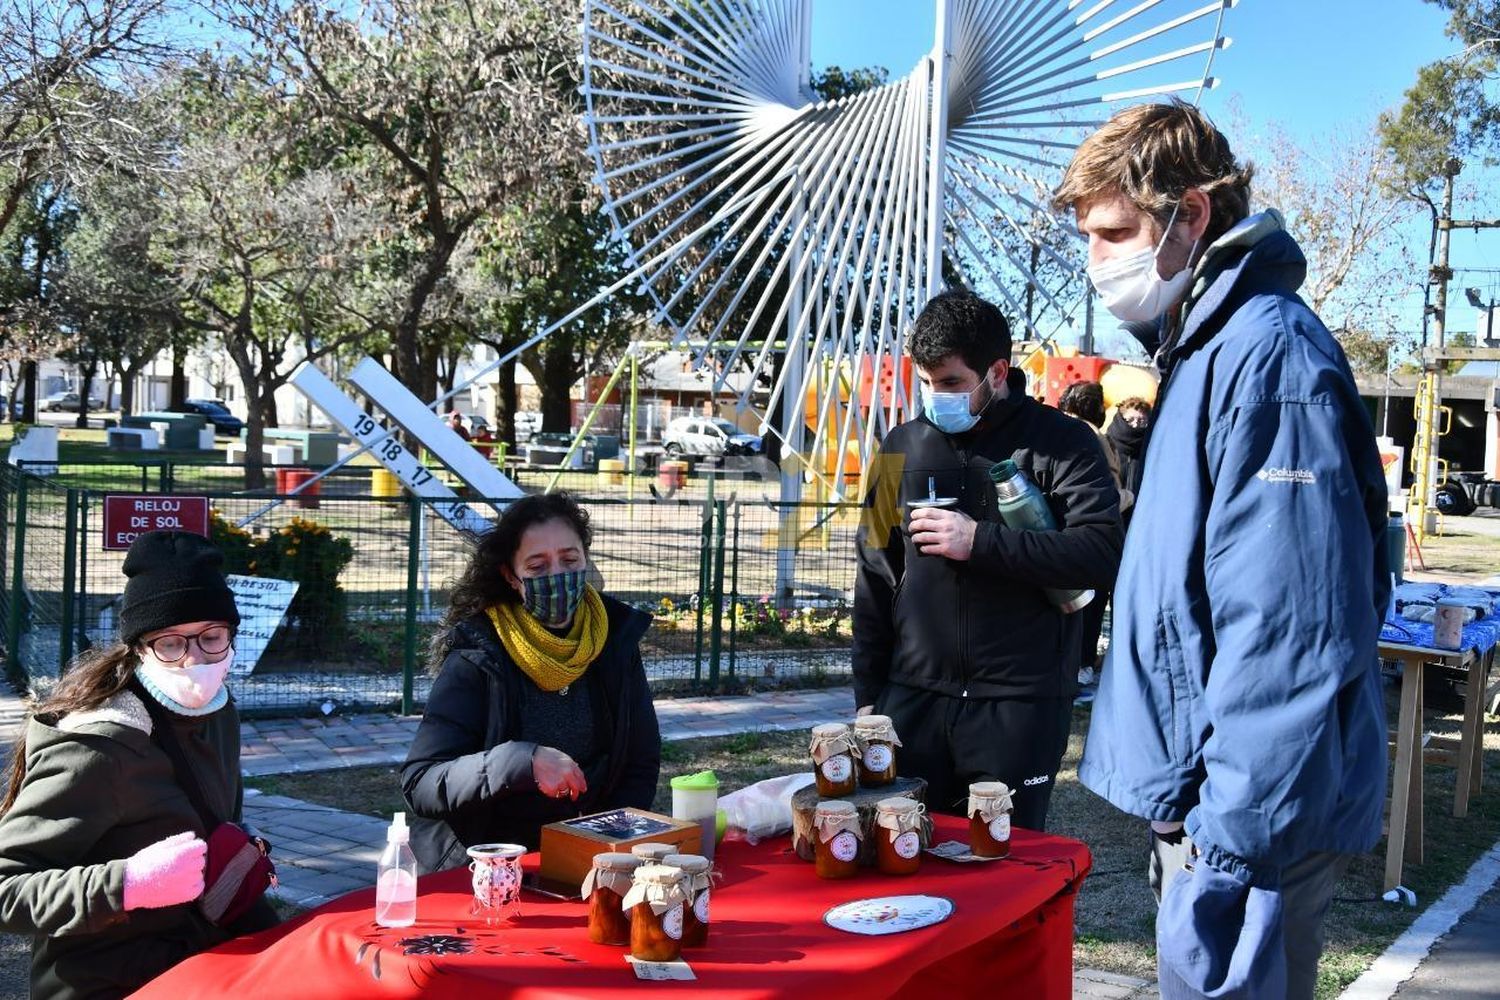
pixel 1480 635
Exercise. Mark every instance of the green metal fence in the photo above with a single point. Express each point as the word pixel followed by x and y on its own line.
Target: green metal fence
pixel 375 573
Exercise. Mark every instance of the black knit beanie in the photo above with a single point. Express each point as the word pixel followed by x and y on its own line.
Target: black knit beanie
pixel 173 577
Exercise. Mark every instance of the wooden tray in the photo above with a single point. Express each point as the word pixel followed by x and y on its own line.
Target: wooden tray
pixel 805 802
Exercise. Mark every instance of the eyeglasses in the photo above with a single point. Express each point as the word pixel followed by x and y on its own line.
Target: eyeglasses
pixel 172 646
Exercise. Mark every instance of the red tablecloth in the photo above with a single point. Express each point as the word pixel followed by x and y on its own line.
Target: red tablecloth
pixel 1011 934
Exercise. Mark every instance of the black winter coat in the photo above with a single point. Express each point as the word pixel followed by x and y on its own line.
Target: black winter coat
pixel 983 627
pixel 467 776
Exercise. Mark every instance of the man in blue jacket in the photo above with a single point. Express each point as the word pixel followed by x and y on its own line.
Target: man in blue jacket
pixel 1242 697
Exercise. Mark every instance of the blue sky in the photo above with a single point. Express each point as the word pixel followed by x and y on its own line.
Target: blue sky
pixel 1309 66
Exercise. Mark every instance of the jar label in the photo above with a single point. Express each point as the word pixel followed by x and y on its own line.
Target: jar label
pixel 700 906
pixel 844 846
pixel 671 922
pixel 1000 827
pixel 877 757
pixel 907 845
pixel 837 768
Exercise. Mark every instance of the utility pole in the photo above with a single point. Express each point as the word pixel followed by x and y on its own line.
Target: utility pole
pixel 1429 400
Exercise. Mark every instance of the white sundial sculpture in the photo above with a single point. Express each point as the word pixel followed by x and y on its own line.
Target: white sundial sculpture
pixel 798 238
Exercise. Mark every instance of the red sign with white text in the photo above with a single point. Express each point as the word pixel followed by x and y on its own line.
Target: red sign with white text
pixel 125 517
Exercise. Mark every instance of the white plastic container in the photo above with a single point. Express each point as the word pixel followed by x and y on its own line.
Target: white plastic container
pixel 695 797
pixel 396 878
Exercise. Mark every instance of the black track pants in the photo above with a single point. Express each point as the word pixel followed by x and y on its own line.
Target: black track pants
pixel 950 742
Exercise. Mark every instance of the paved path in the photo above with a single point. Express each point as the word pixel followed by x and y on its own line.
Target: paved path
pixel 1466 962
pixel 285 746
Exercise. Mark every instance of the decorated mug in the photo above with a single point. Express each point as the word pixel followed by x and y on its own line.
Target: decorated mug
pixel 496 870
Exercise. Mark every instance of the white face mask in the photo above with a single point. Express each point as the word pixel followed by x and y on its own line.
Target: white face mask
pixel 1133 291
pixel 190 687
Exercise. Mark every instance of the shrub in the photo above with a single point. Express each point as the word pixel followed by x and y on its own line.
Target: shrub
pixel 310 554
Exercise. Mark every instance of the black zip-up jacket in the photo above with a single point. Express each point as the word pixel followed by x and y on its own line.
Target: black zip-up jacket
pixel 982 628
pixel 467 776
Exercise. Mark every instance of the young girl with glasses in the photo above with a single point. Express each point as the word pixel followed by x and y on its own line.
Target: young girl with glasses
pixel 102 852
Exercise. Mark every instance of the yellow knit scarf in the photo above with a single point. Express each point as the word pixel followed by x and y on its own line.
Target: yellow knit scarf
pixel 552 662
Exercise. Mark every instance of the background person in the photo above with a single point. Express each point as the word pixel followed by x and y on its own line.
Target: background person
pixel 1085 400
pixel 953 635
pixel 1126 436
pixel 102 853
pixel 540 710
pixel 1242 695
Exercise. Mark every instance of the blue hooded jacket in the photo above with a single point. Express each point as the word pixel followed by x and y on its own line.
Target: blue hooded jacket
pixel 1242 689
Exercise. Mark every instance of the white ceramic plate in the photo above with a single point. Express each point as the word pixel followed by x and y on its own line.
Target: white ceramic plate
pixel 889 914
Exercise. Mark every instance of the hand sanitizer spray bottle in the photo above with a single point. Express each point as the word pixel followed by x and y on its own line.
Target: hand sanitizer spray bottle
pixel 396 879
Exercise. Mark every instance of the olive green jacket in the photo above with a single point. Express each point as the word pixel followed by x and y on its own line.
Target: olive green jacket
pixel 97 790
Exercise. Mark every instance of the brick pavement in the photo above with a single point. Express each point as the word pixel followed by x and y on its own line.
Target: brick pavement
pixel 285 746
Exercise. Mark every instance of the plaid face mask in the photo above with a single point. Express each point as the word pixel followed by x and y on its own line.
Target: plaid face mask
pixel 553 599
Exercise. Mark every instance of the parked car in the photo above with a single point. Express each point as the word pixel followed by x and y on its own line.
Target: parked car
pixel 216 413
pixel 707 437
pixel 67 401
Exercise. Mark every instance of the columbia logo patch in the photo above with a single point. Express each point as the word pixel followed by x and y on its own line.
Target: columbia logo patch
pixel 1296 477
pixel 1040 779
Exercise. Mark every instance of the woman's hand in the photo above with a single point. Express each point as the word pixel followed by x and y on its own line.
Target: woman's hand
pixel 166 873
pixel 557 775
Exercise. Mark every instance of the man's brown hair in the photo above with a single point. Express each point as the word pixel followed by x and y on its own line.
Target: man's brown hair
pixel 1152 154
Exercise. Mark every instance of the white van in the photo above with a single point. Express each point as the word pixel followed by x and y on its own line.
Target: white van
pixel 707 437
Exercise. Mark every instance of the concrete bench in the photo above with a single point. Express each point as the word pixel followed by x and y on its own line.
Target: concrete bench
pixel 131 439
pixel 273 454
pixel 184 431
pixel 319 448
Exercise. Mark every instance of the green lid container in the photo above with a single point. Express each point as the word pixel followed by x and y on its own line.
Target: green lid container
pixel 703 781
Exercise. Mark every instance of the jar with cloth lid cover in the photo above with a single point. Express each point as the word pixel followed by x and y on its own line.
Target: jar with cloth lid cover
pixel 876 738
pixel 605 888
pixel 833 751
pixel 655 902
pixel 836 838
pixel 898 836
pixel 653 852
pixel 989 819
pixel 698 883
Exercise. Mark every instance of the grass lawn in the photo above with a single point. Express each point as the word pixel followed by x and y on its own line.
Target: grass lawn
pixel 1466 548
pixel 1115 913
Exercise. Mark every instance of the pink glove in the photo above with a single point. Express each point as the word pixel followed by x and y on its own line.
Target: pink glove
pixel 166 873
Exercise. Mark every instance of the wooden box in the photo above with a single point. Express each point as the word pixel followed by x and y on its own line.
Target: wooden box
pixel 568 847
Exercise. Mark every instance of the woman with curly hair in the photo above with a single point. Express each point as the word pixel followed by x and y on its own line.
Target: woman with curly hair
pixel 540 710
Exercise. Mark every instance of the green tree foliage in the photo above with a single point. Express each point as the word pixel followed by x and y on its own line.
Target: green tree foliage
pixel 1451 112
pixel 454 111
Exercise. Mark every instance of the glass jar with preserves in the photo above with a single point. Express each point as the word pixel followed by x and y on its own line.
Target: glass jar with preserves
pixel 605 887
pixel 898 836
pixel 989 819
pixel 655 901
pixel 698 883
pixel 836 838
pixel 653 852
pixel 876 738
pixel 833 752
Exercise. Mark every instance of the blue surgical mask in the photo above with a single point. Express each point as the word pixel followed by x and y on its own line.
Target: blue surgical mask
pixel 949 411
pixel 553 599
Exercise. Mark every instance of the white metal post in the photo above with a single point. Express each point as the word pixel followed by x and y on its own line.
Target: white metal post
pixel 794 365
pixel 937 144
